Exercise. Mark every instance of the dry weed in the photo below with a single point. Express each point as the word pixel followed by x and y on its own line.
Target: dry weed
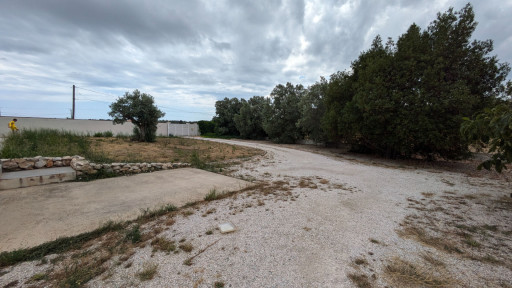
pixel 405 274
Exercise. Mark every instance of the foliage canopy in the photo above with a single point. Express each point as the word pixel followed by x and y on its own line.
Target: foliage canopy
pixel 139 108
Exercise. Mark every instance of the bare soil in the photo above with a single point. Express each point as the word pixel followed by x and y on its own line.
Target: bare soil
pixel 169 150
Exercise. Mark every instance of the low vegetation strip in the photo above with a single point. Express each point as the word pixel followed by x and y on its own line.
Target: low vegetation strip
pixel 57 143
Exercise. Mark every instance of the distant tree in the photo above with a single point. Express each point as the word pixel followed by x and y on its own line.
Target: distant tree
pixel 249 121
pixel 206 127
pixel 226 110
pixel 312 109
pixel 492 129
pixel 282 115
pixel 339 93
pixel 139 108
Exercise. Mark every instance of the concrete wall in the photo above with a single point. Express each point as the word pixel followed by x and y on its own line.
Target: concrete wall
pixel 93 126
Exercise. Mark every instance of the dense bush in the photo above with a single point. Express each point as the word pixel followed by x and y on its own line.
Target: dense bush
pixel 283 113
pixel 249 120
pixel 206 127
pixel 493 129
pixel 410 97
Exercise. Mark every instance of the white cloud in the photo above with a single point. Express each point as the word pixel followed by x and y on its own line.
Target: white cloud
pixel 190 53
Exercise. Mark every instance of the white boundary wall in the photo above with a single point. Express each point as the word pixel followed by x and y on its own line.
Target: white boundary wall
pixel 93 126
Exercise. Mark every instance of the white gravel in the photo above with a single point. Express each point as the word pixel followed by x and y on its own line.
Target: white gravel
pixel 307 238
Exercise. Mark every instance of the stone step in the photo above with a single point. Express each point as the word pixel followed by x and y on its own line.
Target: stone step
pixel 26 178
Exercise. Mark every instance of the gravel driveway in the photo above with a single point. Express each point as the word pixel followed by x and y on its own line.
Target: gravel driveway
pixel 321 221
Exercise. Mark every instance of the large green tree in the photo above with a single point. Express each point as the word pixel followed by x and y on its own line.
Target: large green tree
pixel 312 110
pixel 410 97
pixel 249 120
pixel 282 115
pixel 140 109
pixel 224 119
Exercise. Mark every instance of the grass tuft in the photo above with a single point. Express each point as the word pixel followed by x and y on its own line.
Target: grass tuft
pixel 360 280
pixel 148 271
pixel 212 195
pixel 187 247
pixel 133 235
pixel 406 274
pixel 163 244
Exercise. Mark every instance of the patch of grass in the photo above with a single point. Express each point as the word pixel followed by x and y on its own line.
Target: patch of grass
pixel 360 261
pixel 106 134
pixel 133 235
pixel 360 280
pixel 148 271
pixel 150 214
pixel 437 242
pixel 212 195
pixel 406 274
pixel 219 284
pixel 188 212
pixel 49 142
pixel 38 277
pixel 428 194
pixel 78 274
pixel 187 247
pixel 432 260
pixel 209 232
pixel 100 174
pixel 197 162
pixel 58 246
pixel 471 242
pixel 163 244
pixel 188 262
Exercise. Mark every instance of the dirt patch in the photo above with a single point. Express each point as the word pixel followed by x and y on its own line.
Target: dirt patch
pixel 466 166
pixel 169 150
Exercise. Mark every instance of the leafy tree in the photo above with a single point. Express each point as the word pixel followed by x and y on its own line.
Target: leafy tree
pixel 226 110
pixel 493 129
pixel 206 127
pixel 312 109
pixel 338 94
pixel 139 108
pixel 410 98
pixel 249 121
pixel 281 116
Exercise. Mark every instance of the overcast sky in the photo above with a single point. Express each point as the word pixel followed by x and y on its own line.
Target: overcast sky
pixel 188 54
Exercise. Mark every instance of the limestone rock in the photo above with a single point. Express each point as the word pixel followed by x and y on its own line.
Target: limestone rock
pixel 39 163
pixel 26 165
pixel 9 165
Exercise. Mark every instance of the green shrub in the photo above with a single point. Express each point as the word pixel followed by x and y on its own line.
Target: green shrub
pixel 133 234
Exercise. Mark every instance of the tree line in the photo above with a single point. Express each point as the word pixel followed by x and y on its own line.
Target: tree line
pixel 415 96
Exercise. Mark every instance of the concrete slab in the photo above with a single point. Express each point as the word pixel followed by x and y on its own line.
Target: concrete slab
pixel 27 178
pixel 33 215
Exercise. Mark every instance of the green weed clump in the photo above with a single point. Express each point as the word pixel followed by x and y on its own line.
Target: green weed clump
pixel 48 142
pixel 213 195
pixel 107 134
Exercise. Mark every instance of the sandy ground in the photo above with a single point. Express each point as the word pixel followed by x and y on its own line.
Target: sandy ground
pixel 322 221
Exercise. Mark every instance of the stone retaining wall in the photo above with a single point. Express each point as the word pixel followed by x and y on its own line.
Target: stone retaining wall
pixel 83 166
